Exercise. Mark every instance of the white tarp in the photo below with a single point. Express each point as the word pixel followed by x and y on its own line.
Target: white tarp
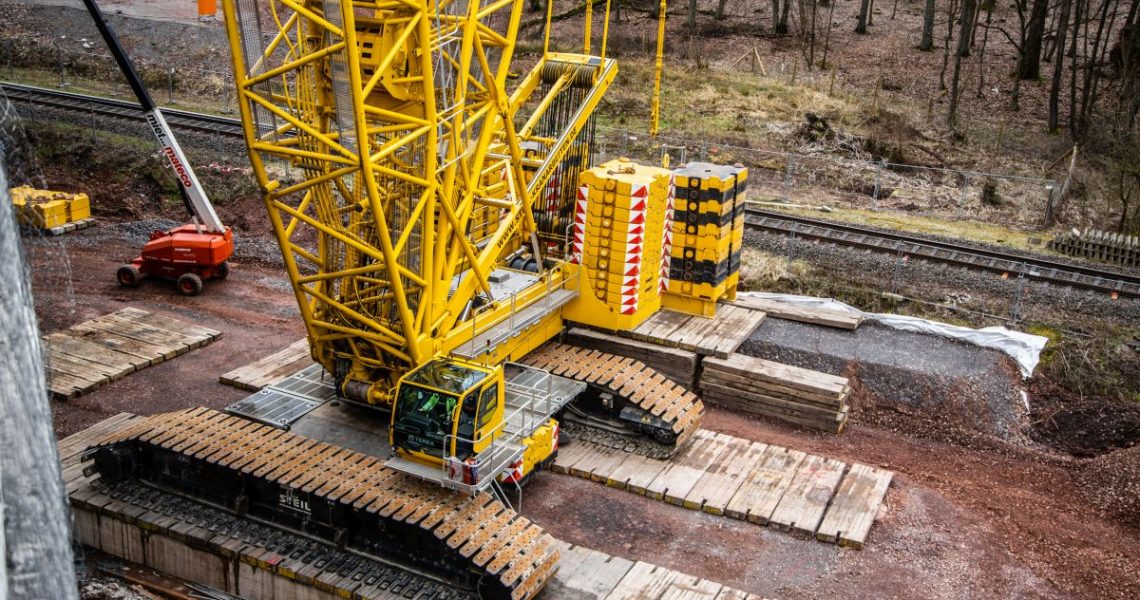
pixel 1024 348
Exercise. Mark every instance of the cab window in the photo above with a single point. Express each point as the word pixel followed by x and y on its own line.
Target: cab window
pixel 487 401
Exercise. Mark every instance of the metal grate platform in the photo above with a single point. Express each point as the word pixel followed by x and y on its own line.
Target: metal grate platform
pixel 285 402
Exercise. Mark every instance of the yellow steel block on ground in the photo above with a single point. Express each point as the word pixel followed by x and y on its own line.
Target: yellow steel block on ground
pixel 619 239
pixel 45 209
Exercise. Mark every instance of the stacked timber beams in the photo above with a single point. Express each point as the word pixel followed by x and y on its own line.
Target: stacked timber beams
pixel 757 386
pixel 626 378
pixel 335 494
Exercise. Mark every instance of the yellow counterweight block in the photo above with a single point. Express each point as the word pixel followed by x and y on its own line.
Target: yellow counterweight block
pixel 707 230
pixel 618 239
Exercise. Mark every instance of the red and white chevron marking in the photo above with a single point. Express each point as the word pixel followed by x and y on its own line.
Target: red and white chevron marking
pixel 578 237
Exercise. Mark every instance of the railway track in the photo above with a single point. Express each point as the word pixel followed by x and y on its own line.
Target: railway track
pixel 119 109
pixel 1039 269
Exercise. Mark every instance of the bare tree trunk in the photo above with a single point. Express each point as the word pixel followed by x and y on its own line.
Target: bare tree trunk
pixel 968 7
pixel 811 51
pixel 927 43
pixel 864 9
pixel 720 8
pixel 782 27
pixel 691 21
pixel 982 53
pixel 1058 64
pixel 1082 7
pixel 827 36
pixel 969 14
pixel 951 11
pixel 1088 93
pixel 1029 63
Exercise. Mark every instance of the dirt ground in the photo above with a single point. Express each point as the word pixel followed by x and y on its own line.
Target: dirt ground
pixel 958 523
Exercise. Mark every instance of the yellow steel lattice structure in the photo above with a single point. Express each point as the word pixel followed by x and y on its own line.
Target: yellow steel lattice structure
pixel 412 182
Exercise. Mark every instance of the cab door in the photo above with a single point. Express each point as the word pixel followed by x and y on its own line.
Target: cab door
pixel 489 415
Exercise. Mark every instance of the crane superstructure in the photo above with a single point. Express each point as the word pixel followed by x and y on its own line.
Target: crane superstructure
pixel 432 206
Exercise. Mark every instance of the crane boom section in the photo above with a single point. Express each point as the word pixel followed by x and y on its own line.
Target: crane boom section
pixel 394 173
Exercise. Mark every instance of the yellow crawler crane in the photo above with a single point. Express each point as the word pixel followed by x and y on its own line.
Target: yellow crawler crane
pixel 429 220
pixel 426 226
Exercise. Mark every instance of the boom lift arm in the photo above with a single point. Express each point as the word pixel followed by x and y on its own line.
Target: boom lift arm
pixel 197 204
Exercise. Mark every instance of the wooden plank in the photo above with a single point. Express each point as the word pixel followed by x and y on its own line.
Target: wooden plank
pixel 659 326
pixel 803 314
pixel 744 398
pixel 270 369
pixel 734 326
pixel 849 518
pixel 67 343
pixel 643 581
pixel 759 386
pixel 798 378
pixel 172 325
pixel 687 466
pixel 636 473
pixel 143 343
pixel 598 465
pixel 764 486
pixel 585 574
pixel 569 455
pixel 802 507
pixel 833 423
pixel 718 485
pixel 687 587
pixel 110 347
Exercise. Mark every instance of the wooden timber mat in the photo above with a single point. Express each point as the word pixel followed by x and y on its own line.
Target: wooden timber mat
pixel 804 314
pixel 750 481
pixel 719 336
pixel 112 346
pixel 270 369
pixel 582 573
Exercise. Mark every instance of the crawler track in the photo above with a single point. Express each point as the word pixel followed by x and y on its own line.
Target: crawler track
pixel 631 381
pixel 1089 278
pixel 474 543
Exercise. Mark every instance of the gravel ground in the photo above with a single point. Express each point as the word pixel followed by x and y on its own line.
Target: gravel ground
pixel 901 373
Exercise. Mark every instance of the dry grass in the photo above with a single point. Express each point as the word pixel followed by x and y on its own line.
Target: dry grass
pixel 759 269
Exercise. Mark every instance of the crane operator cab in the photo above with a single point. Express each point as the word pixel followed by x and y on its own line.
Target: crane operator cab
pixel 447 411
pixel 452 416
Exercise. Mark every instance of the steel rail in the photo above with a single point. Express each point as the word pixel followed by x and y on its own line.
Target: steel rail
pixel 1009 264
pixel 1035 268
pixel 122 109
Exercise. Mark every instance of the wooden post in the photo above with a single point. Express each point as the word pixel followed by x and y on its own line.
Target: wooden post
pixel 831 86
